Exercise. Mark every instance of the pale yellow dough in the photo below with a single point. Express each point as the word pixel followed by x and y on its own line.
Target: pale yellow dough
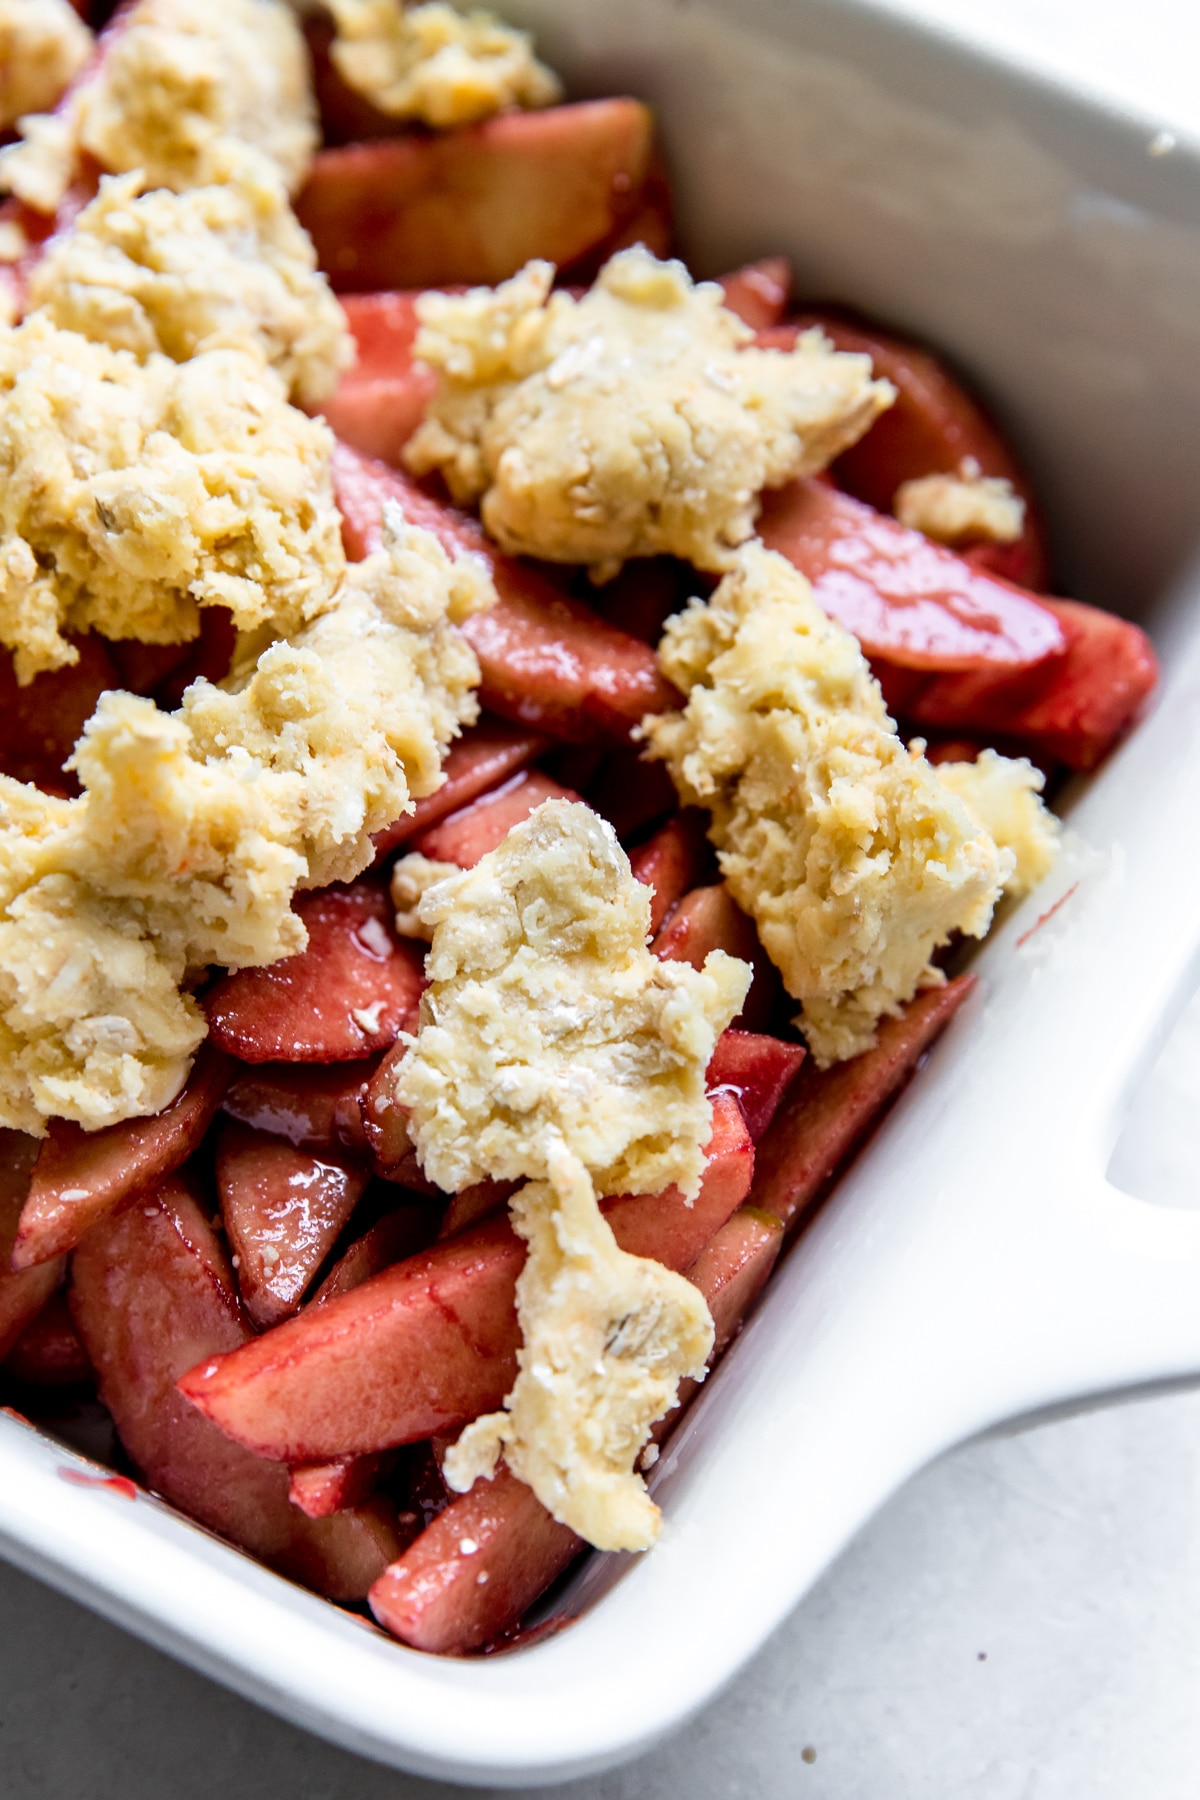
pixel 412 877
pixel 854 860
pixel 43 43
pixel 179 82
pixel 607 1338
pixel 955 509
pixel 132 493
pixel 634 421
pixel 547 1019
pixel 224 267
pixel 196 828
pixel 432 64
pixel 553 1046
pixel 1002 794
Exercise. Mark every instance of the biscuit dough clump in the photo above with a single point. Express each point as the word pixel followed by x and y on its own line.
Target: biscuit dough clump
pixel 132 493
pixel 43 43
pixel 435 65
pixel 962 508
pixel 634 421
pixel 195 829
pixel 179 80
pixel 1002 793
pixel 225 267
pixel 548 1020
pixel 853 858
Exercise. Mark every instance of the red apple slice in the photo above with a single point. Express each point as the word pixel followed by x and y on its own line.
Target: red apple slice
pixel 629 793
pixel 548 663
pixel 479 1566
pixel 480 760
pixel 316 1105
pixel 377 414
pixel 48 1352
pixel 431 1343
pixel 1072 710
pixel 643 596
pixel 828 1112
pixel 82 1176
pixel 671 862
pixel 340 999
pixel 23 1293
pixel 284 1209
pixel 474 205
pixel 151 1295
pixel 41 723
pixel 757 1070
pixel 758 293
pixel 485 823
pixel 709 919
pixel 930 429
pixel 908 601
pixel 322 1489
pixel 651 222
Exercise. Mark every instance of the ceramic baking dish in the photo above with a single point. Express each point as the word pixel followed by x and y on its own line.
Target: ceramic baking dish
pixel 975 1265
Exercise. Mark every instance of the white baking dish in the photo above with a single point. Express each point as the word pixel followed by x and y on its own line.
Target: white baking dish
pixel 975 1265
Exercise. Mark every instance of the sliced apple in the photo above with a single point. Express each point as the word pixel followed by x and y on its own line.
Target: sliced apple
pixel 48 1352
pixel 480 826
pixel 152 1294
pixel 342 998
pixel 548 663
pixel 82 1176
pixel 284 1209
pixel 758 293
pixel 315 1105
pixel 431 1343
pixel 474 205
pixel 757 1070
pixel 41 722
pixel 480 760
pixel 708 918
pixel 828 1112
pixel 25 1291
pixel 671 862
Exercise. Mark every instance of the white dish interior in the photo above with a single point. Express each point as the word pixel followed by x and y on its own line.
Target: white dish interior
pixel 975 1264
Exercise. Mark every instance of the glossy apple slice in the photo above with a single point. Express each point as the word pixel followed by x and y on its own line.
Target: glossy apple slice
pixel 284 1209
pixel 757 1070
pixel 437 1332
pixel 48 1352
pixel 151 1294
pixel 931 428
pixel 708 918
pixel 315 1105
pixel 82 1176
pixel 340 999
pixel 23 1292
pixel 548 663
pixel 671 862
pixel 758 293
pixel 41 722
pixel 483 824
pixel 828 1112
pixel 480 760
pixel 1070 711
pixel 474 205
pixel 479 1566
pixel 908 601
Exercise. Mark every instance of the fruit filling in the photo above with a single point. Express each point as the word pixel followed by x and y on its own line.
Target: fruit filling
pixel 502 746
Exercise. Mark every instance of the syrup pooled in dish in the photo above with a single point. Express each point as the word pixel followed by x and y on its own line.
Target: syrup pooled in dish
pixel 422 925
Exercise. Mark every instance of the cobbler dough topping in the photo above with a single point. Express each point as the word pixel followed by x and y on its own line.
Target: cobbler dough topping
pixel 853 859
pixel 412 877
pixel 132 493
pixel 178 80
pixel 634 421
pixel 435 65
pixel 196 828
pixel 956 509
pixel 608 1337
pixel 43 43
pixel 548 1020
pixel 553 1045
pixel 221 267
pixel 1003 794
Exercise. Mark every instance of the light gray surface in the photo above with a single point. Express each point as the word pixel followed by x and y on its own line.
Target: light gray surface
pixel 1068 1557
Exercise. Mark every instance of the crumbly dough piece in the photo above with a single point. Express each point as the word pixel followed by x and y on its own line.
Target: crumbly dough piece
pixel 196 828
pixel 854 860
pixel 412 877
pixel 43 43
pixel 435 65
pixel 132 493
pixel 634 421
pixel 224 267
pixel 1002 794
pixel 608 1337
pixel 176 83
pixel 957 509
pixel 548 1020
